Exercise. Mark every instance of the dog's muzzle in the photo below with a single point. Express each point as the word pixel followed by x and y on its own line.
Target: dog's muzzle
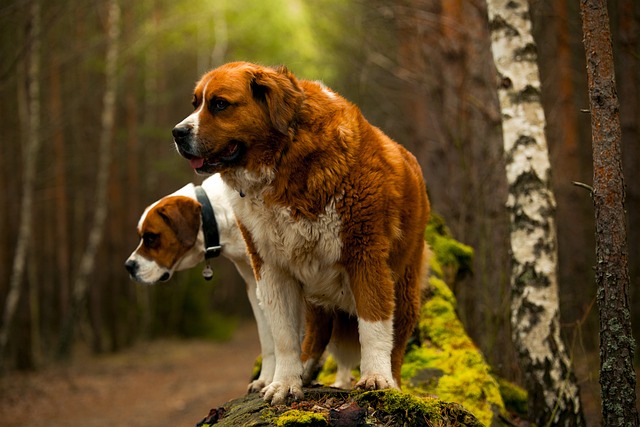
pixel 132 267
pixel 182 137
pixel 228 155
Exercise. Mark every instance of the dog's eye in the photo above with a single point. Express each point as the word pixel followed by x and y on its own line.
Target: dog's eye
pixel 151 240
pixel 194 101
pixel 218 104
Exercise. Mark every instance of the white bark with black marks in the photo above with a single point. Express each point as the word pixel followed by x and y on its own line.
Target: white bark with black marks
pixel 535 317
pixel 30 157
pixel 88 259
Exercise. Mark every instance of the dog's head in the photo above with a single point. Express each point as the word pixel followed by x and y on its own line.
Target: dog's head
pixel 243 116
pixel 168 233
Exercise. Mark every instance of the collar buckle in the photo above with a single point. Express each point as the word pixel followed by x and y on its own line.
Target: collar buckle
pixel 212 251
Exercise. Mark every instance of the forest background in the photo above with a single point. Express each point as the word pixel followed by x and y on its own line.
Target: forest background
pixel 421 70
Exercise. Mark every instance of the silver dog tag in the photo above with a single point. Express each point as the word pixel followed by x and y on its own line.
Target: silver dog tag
pixel 207 273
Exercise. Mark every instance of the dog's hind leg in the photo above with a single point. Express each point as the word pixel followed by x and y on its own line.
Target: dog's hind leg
pixel 408 299
pixel 345 348
pixel 373 291
pixel 318 328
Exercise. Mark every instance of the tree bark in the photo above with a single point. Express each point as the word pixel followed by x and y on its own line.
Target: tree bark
pixel 535 318
pixel 87 262
pixel 617 375
pixel 628 82
pixel 30 162
pixel 62 235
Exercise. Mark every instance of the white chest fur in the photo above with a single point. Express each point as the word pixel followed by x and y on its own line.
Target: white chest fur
pixel 308 250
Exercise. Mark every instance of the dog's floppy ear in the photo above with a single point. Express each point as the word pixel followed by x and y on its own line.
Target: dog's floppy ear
pixel 278 89
pixel 182 215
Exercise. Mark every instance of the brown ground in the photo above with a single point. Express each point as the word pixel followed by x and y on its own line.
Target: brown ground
pixel 162 383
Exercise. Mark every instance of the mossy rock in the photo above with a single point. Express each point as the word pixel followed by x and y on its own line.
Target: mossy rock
pixel 446 363
pixel 333 408
pixel 451 259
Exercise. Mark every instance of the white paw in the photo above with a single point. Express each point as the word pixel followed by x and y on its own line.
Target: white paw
pixel 256 385
pixel 375 382
pixel 277 392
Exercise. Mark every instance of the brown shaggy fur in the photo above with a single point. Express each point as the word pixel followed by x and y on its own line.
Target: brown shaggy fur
pixel 295 144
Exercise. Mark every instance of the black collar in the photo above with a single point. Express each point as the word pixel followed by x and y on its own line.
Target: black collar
pixel 212 246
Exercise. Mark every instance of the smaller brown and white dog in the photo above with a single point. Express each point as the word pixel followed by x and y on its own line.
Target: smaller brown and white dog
pixel 173 238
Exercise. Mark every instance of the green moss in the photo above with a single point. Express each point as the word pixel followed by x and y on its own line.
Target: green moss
pixel 296 417
pixel 408 410
pixel 448 364
pixel 451 258
pixel 327 374
pixel 515 397
pixel 257 367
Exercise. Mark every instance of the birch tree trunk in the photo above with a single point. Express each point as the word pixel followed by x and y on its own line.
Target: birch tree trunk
pixel 535 317
pixel 617 376
pixel 28 180
pixel 87 262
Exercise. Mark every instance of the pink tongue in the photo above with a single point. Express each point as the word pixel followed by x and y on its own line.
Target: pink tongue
pixel 196 162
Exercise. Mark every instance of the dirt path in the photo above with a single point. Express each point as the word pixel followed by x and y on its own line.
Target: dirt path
pixel 163 383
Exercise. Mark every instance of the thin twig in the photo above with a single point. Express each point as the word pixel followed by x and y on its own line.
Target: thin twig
pixel 583 185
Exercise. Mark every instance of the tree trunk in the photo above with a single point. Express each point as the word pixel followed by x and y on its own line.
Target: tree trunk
pixel 617 375
pixel 535 318
pixel 30 162
pixel 61 214
pixel 628 81
pixel 87 262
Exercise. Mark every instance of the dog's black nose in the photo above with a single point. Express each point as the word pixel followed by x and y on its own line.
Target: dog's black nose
pixel 131 266
pixel 181 132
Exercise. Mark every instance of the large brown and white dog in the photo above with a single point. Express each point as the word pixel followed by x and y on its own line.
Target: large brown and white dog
pixel 332 211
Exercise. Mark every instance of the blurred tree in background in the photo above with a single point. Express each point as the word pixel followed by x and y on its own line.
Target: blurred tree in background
pixel 419 69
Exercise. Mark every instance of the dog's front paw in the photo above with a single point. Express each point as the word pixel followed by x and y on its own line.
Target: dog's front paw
pixel 277 392
pixel 256 385
pixel 375 382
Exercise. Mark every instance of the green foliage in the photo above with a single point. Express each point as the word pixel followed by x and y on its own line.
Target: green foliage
pixel 269 32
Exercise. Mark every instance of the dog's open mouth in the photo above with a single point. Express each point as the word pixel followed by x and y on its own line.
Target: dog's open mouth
pixel 232 152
